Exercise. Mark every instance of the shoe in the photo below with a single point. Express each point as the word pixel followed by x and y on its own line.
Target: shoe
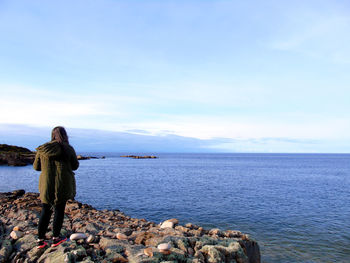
pixel 57 241
pixel 41 243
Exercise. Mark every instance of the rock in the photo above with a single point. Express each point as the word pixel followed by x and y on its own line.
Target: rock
pixel 113 256
pixel 19 193
pixel 107 243
pixel 167 224
pixel 79 253
pixel 170 223
pixel 142 237
pixel 164 247
pixel 90 239
pixel 190 251
pixel 121 236
pixel 25 243
pixel 6 250
pixel 140 157
pixel 80 157
pixel 148 252
pixel 215 232
pixel 77 236
pixel 251 249
pixel 16 228
pixel 16 234
pixel 15 156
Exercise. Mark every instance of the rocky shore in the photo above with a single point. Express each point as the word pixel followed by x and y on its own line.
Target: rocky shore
pixel 15 156
pixel 111 236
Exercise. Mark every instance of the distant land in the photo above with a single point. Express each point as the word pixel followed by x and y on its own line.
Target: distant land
pixel 139 141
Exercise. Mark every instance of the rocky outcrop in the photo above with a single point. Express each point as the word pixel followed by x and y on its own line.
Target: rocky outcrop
pixel 140 157
pixel 81 157
pixel 20 156
pixel 15 156
pixel 111 236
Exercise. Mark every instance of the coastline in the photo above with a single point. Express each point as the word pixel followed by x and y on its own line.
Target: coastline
pixel 112 236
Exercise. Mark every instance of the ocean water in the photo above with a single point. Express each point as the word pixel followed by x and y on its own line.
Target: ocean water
pixel 297 206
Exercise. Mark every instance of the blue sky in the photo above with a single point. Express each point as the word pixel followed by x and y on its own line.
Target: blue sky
pixel 273 75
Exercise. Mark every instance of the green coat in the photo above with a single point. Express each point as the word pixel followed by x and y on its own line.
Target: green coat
pixel 56 162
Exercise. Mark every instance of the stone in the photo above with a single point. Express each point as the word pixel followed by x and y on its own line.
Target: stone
pixel 190 251
pixel 164 247
pixel 174 220
pixel 142 237
pixel 121 236
pixel 113 256
pixel 167 224
pixel 16 234
pixel 25 243
pixel 90 239
pixel 148 252
pixel 79 252
pixel 216 232
pixel 16 228
pixel 6 250
pixel 77 236
pixel 171 223
pixel 107 243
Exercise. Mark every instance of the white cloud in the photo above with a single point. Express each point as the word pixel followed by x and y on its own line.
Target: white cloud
pixel 26 105
pixel 224 127
pixel 108 111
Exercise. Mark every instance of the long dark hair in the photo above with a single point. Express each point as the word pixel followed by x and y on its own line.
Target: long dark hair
pixel 59 134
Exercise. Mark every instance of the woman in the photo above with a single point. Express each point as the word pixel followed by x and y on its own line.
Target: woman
pixel 56 160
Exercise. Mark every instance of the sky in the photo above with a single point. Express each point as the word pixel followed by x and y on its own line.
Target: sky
pixel 248 76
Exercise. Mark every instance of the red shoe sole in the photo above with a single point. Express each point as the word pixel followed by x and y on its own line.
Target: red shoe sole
pixel 56 244
pixel 42 246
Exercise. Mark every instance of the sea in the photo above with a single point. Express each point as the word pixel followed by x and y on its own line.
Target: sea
pixel 296 206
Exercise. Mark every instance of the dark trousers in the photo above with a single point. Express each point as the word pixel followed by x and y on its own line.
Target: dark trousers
pixel 45 216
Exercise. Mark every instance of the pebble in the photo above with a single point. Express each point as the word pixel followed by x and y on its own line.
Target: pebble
pixel 77 236
pixel 164 248
pixel 16 234
pixel 90 239
pixel 16 228
pixel 121 236
pixel 148 252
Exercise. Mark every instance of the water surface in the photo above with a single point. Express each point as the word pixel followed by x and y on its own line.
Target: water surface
pixel 295 205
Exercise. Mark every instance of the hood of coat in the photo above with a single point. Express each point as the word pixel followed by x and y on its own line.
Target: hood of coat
pixel 51 149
